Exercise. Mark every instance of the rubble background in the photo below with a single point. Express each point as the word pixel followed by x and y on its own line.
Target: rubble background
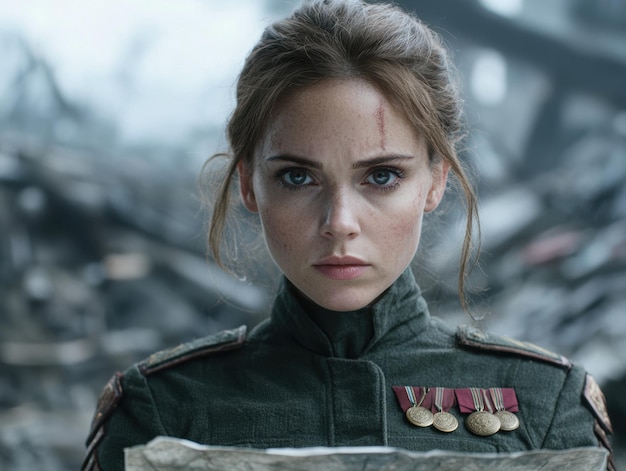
pixel 102 240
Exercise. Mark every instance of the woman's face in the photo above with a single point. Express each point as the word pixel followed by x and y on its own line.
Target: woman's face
pixel 341 181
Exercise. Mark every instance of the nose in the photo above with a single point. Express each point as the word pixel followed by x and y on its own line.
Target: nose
pixel 340 217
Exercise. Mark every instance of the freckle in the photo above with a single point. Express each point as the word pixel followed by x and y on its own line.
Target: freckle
pixel 380 123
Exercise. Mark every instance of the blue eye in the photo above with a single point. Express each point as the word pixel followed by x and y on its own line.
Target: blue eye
pixel 384 178
pixel 380 177
pixel 295 177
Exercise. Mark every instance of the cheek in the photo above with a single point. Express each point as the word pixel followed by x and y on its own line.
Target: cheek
pixel 399 236
pixel 405 232
pixel 280 230
pixel 405 221
pixel 279 220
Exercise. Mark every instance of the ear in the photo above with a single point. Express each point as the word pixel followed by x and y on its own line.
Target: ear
pixel 439 170
pixel 246 189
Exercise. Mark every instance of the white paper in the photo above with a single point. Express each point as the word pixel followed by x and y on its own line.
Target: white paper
pixel 166 454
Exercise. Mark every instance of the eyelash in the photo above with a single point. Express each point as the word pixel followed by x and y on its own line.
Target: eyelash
pixel 396 172
pixel 280 178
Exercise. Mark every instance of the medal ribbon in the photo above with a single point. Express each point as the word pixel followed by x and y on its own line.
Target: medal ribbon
pixel 487 401
pixel 504 399
pixel 469 399
pixel 492 399
pixel 409 396
pixel 444 398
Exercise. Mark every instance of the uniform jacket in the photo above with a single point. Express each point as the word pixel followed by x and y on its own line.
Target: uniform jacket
pixel 306 377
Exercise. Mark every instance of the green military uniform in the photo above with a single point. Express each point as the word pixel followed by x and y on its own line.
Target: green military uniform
pixel 307 377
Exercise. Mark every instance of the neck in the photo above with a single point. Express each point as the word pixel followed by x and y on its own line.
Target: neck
pixel 395 316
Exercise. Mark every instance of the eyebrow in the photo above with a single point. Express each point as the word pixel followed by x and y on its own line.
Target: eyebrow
pixel 357 165
pixel 383 159
pixel 295 159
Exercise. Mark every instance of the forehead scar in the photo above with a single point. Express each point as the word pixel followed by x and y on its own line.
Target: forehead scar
pixel 380 123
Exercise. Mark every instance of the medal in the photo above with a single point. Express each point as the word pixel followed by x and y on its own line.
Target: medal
pixel 481 422
pixel 416 414
pixel 508 420
pixel 442 420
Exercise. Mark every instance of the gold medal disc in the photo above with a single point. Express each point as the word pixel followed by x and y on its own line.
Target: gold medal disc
pixel 419 416
pixel 483 423
pixel 445 422
pixel 508 420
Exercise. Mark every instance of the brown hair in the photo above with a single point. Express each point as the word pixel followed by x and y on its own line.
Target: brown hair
pixel 349 38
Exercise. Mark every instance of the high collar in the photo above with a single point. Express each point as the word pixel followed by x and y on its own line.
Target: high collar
pixel 398 314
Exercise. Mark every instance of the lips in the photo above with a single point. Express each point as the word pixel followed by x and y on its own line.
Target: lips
pixel 341 267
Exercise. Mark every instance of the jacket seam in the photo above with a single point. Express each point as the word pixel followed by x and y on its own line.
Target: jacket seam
pixel 155 407
pixel 330 404
pixel 554 411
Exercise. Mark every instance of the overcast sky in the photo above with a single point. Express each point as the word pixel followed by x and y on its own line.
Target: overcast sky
pixel 158 66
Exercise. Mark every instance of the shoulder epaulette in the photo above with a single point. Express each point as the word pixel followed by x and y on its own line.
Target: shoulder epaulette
pixel 113 391
pixel 597 404
pixel 472 337
pixel 219 342
pixel 110 396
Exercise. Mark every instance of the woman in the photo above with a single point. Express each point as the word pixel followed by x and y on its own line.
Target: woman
pixel 343 137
